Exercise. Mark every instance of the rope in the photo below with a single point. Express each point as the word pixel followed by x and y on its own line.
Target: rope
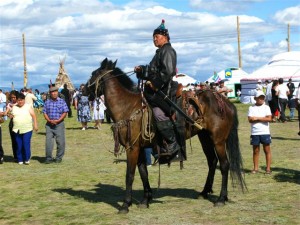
pixel 147 132
pixel 122 123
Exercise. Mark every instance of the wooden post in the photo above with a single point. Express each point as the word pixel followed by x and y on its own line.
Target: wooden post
pixel 239 45
pixel 24 57
pixel 288 38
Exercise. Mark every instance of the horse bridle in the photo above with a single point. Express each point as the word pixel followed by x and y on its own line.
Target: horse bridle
pixel 96 81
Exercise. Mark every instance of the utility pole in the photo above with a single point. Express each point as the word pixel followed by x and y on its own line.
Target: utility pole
pixel 24 57
pixel 288 38
pixel 239 44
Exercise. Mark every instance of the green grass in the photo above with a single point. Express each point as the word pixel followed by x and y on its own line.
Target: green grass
pixel 88 186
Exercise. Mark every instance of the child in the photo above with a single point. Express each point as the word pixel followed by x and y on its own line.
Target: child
pixel 99 108
pixel 259 115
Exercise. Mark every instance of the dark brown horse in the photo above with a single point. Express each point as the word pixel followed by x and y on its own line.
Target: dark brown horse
pixel 217 116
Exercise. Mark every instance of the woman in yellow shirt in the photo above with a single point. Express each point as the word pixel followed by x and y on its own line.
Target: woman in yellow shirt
pixel 23 116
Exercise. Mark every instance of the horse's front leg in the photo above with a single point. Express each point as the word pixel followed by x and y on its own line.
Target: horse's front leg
pixel 144 176
pixel 132 157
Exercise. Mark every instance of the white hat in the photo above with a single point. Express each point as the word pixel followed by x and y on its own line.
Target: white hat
pixel 259 93
pixel 259 81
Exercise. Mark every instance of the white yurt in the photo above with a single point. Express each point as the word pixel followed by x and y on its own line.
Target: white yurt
pixel 184 79
pixel 284 65
pixel 232 77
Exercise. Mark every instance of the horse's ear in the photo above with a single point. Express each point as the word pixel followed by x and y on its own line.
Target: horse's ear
pixel 114 64
pixel 104 62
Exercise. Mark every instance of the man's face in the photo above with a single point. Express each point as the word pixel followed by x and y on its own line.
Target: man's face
pixel 54 94
pixel 159 40
pixel 202 87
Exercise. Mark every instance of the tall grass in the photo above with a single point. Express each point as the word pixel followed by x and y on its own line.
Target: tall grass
pixel 88 186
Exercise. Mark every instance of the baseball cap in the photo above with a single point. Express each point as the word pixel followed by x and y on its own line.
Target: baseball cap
pixel 259 93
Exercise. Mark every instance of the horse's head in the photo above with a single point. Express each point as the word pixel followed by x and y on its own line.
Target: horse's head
pixel 94 84
pixel 106 71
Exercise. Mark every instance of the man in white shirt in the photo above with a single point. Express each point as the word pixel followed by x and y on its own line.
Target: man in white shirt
pixel 29 97
pixel 2 103
pixel 2 97
pixel 282 91
pixel 259 86
pixel 2 109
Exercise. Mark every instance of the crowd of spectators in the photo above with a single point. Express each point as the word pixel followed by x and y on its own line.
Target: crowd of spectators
pixel 56 104
pixel 277 95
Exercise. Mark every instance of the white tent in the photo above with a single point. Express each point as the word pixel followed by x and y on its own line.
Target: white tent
pixel 231 76
pixel 284 65
pixel 184 79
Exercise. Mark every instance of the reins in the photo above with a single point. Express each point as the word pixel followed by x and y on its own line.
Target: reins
pixel 145 130
pixel 96 81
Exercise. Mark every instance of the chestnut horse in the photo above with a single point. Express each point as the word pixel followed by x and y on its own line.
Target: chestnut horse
pixel 219 136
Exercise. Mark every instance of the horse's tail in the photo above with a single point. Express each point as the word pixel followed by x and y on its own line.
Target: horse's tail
pixel 234 154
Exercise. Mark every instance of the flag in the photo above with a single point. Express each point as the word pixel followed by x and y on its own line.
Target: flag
pixel 216 78
pixel 228 73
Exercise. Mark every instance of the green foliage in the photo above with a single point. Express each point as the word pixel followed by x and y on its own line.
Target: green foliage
pixel 89 185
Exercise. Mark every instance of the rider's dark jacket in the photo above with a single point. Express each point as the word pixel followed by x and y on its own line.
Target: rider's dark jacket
pixel 162 67
pixel 161 70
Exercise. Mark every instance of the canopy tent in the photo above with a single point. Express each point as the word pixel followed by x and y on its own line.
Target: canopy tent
pixel 284 65
pixel 231 76
pixel 184 79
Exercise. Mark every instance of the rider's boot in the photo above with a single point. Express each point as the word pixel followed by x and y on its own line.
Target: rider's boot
pixel 166 130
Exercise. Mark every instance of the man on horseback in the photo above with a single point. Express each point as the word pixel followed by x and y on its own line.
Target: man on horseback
pixel 159 76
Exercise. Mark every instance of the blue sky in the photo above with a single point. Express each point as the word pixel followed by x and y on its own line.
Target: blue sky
pixel 203 32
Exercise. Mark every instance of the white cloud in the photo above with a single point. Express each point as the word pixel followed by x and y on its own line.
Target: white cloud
pixel 221 5
pixel 250 46
pixel 88 31
pixel 289 15
pixel 13 8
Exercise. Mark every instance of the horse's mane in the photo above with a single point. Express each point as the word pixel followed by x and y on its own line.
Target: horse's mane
pixel 122 77
pixel 124 80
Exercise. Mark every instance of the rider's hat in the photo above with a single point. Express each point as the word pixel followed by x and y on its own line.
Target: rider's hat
pixel 161 29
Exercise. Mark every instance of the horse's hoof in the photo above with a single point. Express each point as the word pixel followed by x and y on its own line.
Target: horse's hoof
pixel 123 211
pixel 219 204
pixel 203 195
pixel 143 206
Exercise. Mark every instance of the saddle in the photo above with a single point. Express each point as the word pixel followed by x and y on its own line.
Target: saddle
pixel 179 128
pixel 179 90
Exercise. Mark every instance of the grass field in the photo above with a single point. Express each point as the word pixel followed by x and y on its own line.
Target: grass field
pixel 88 186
